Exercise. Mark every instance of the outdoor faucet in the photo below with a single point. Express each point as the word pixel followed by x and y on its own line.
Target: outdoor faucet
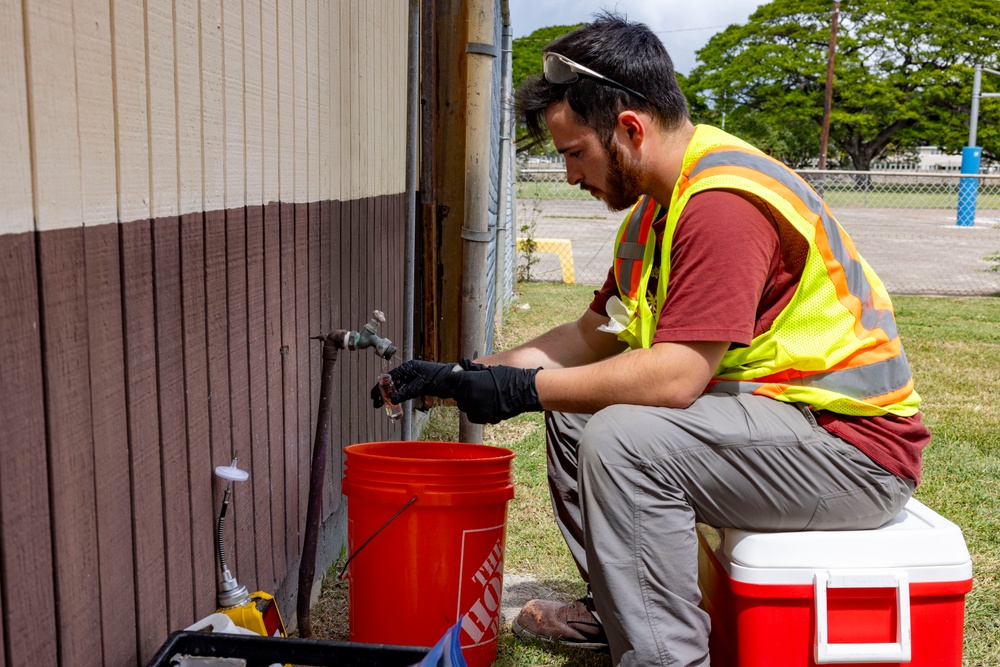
pixel 368 337
pixel 333 342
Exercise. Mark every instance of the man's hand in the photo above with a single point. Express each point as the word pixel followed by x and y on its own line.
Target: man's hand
pixel 486 394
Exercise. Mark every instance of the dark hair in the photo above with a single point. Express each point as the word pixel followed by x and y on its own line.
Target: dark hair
pixel 629 53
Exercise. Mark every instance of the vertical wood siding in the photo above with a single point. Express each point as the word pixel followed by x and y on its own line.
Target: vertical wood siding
pixel 189 191
pixel 26 554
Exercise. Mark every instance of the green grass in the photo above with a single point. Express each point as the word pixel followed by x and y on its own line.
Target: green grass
pixel 890 196
pixel 954 349
pixel 557 188
pixel 953 345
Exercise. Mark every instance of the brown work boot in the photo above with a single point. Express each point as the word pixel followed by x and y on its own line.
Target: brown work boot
pixel 571 624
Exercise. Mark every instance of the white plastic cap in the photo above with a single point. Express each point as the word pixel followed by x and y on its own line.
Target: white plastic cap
pixel 232 473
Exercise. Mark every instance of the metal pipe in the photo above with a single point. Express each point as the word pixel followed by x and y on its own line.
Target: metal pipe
pixel 506 104
pixel 332 344
pixel 978 94
pixel 824 136
pixel 480 53
pixel 410 241
pixel 977 86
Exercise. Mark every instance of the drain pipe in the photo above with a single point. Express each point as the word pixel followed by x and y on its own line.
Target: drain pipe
pixel 506 130
pixel 480 53
pixel 333 343
pixel 410 242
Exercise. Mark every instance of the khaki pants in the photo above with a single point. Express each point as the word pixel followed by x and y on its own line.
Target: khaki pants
pixel 629 483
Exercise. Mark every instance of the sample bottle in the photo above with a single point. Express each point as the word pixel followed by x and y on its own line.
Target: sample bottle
pixel 386 385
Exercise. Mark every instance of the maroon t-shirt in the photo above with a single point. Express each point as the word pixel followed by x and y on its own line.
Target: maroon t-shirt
pixel 734 265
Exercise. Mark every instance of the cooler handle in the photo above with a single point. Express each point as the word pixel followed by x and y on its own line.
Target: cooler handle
pixel 827 653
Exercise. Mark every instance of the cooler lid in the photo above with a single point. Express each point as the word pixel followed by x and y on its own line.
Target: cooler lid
pixel 918 540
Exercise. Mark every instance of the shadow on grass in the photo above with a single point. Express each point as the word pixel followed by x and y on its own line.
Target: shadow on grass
pixel 515 651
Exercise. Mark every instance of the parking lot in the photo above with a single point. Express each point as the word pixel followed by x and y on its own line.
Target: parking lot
pixel 914 251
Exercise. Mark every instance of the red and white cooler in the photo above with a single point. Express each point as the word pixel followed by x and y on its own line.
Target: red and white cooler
pixel 894 595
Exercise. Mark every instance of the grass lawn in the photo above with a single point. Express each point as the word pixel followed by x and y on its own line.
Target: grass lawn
pixel 556 188
pixel 894 196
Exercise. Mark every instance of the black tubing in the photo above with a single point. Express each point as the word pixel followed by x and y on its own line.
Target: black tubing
pixel 219 533
pixel 332 344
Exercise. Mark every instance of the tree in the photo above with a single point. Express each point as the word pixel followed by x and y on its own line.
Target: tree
pixel 526 58
pixel 903 76
pixel 526 55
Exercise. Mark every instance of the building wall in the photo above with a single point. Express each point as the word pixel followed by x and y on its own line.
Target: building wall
pixel 189 190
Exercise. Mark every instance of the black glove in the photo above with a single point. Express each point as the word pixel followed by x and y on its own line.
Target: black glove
pixel 486 394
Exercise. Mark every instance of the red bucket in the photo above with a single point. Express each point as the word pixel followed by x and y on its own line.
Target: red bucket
pixel 442 557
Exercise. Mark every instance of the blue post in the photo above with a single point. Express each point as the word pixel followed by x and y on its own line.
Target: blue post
pixel 968 188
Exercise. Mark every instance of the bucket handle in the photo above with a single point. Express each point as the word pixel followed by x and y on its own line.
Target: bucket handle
pixel 343 570
pixel 827 653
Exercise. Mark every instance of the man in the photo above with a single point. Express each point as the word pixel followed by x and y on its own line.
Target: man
pixel 765 386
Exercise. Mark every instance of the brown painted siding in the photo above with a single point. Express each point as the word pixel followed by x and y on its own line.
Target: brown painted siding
pixel 149 353
pixel 26 530
pixel 65 355
pixel 196 391
pixel 169 334
pixel 111 444
pixel 142 410
pixel 274 387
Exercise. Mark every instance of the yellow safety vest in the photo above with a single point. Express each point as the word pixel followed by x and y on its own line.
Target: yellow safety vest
pixel 834 346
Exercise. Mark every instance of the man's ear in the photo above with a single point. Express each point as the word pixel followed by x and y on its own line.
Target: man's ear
pixel 632 126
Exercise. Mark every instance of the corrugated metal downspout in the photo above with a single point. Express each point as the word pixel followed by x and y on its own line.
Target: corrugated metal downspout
pixel 480 52
pixel 412 155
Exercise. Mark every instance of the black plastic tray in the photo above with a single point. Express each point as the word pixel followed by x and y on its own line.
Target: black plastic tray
pixel 263 651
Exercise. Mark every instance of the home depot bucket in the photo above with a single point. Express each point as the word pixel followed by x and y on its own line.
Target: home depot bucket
pixel 441 558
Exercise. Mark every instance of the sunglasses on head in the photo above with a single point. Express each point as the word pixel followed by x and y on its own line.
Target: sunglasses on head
pixel 559 69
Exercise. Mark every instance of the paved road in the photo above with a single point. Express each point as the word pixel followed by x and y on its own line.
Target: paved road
pixel 914 251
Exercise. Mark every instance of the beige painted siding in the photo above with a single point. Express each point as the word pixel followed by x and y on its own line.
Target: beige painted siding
pixel 119 111
pixel 15 149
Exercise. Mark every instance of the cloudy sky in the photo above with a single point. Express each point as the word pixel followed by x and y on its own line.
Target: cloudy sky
pixel 683 25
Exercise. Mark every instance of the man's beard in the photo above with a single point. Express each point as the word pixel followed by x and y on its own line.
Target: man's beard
pixel 623 180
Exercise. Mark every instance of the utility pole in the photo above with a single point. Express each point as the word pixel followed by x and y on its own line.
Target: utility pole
pixel 824 137
pixel 968 188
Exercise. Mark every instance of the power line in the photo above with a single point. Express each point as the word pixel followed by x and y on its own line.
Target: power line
pixel 708 27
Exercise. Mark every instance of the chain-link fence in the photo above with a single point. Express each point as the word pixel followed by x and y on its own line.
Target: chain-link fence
pixel 903 223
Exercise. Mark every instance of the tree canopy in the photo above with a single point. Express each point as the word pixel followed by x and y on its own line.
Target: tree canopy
pixel 903 77
pixel 526 56
pixel 526 60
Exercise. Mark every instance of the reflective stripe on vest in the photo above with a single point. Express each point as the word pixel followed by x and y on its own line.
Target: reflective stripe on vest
pixel 864 383
pixel 632 246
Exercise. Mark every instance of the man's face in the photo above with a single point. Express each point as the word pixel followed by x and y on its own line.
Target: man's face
pixel 608 174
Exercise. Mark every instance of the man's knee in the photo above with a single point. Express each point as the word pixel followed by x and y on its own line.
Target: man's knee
pixel 609 438
pixel 640 438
